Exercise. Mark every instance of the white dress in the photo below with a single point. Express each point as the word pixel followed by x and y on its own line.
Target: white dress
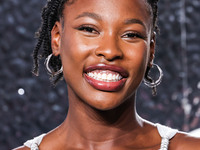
pixel 165 132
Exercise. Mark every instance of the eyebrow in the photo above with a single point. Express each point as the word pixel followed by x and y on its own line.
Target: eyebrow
pixel 97 17
pixel 134 21
pixel 89 14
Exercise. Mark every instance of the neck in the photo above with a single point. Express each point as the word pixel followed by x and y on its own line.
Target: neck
pixel 99 126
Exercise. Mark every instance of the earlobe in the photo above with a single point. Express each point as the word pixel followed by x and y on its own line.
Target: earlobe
pixel 56 38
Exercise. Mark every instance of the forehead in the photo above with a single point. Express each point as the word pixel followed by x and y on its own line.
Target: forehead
pixel 110 10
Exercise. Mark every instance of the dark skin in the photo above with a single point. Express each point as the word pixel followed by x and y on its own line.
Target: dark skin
pixel 97 119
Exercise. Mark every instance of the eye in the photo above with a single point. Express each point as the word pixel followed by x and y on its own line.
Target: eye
pixel 133 35
pixel 88 29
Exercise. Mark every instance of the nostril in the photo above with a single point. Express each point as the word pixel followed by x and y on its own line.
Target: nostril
pixel 109 54
pixel 101 55
pixel 114 58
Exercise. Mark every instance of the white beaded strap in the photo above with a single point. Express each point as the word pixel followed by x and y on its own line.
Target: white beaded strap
pixel 34 143
pixel 166 133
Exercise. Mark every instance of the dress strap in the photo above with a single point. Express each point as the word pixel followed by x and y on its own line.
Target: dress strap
pixel 166 134
pixel 34 143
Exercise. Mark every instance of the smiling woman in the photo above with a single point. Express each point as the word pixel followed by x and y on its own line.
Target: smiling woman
pixel 103 49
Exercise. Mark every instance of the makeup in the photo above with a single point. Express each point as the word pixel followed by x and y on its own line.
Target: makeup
pixel 106 77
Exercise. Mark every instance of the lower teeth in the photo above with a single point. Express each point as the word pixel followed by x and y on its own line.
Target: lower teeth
pixel 106 80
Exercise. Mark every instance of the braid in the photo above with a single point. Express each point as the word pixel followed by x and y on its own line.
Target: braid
pixel 51 13
pixel 154 6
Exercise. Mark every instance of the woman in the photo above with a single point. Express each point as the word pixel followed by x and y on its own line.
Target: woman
pixel 103 49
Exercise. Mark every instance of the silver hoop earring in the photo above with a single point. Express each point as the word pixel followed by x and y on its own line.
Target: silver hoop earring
pixel 50 70
pixel 153 84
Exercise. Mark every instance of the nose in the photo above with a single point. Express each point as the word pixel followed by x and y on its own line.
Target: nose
pixel 109 48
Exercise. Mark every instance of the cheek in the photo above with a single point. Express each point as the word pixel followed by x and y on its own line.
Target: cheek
pixel 138 55
pixel 137 60
pixel 75 51
pixel 72 50
pixel 76 48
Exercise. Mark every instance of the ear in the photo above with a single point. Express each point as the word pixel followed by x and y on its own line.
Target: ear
pixel 56 38
pixel 152 49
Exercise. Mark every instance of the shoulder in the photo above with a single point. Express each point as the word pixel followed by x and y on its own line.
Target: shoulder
pixel 22 148
pixel 35 142
pixel 184 141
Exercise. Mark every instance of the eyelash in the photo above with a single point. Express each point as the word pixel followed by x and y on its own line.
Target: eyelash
pixel 91 30
pixel 87 28
pixel 133 35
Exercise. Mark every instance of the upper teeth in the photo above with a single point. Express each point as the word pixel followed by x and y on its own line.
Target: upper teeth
pixel 105 76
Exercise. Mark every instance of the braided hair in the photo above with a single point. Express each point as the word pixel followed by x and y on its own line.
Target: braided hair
pixel 51 13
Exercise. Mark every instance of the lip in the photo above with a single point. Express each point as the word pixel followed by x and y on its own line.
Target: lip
pixel 102 85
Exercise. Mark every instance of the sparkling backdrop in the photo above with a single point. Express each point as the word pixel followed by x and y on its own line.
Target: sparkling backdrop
pixel 30 106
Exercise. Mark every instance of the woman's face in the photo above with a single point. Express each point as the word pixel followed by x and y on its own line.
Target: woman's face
pixel 105 47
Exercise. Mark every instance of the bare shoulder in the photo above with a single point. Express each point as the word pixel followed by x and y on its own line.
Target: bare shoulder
pixel 184 141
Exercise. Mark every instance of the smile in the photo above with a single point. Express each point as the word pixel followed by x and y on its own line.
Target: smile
pixel 106 77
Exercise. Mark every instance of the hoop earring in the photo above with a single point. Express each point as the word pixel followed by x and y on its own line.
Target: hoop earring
pixel 50 70
pixel 148 81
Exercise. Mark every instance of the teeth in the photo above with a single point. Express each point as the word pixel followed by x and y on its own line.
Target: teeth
pixel 113 77
pixel 109 77
pixel 105 76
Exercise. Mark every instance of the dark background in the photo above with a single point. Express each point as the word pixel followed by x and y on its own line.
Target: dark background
pixel 43 107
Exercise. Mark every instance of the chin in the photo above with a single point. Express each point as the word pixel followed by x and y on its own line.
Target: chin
pixel 108 101
pixel 105 108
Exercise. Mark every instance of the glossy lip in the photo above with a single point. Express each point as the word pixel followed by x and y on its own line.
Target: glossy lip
pixel 106 86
